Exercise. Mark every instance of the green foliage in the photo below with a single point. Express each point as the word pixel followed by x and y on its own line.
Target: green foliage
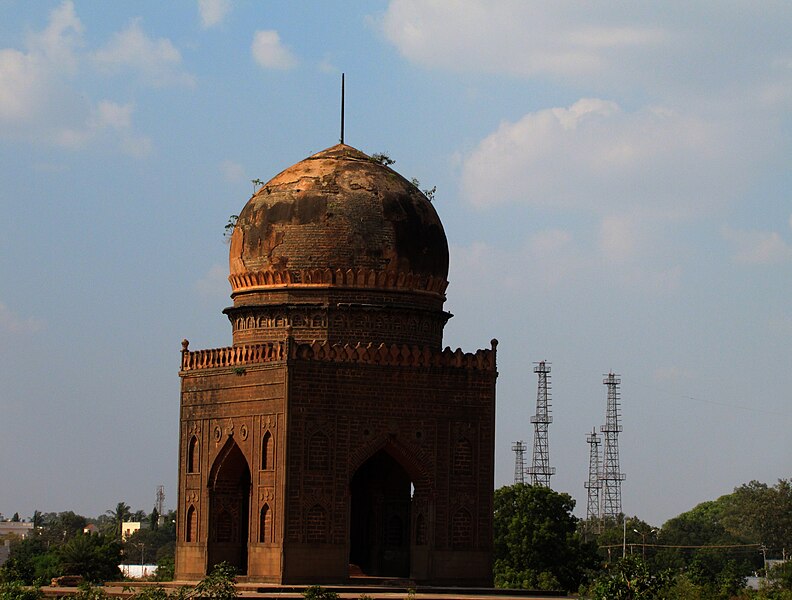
pixel 14 590
pixel 218 585
pixel 429 193
pixel 316 592
pixel 151 544
pixel 382 158
pixel 536 542
pixel 121 513
pixel 780 576
pixel 166 569
pixel 706 525
pixel 630 579
pixel 761 513
pixel 154 593
pixel 229 227
pixel 92 556
pixel 89 592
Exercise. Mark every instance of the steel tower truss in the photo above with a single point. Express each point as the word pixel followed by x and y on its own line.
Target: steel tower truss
pixel 593 485
pixel 540 469
pixel 519 461
pixel 611 476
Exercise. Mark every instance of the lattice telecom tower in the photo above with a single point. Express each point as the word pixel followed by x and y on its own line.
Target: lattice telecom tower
pixel 519 461
pixel 160 503
pixel 611 476
pixel 593 485
pixel 540 469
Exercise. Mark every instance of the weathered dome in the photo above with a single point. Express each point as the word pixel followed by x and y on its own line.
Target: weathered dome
pixel 339 218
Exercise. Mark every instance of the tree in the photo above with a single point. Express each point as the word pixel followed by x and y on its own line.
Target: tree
pixel 14 590
pixel 118 516
pixel 629 579
pixel 761 513
pixel 536 541
pixel 58 528
pixel 218 585
pixel 92 556
pixel 15 518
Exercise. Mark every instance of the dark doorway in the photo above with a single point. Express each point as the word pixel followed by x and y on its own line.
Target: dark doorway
pixel 380 518
pixel 229 508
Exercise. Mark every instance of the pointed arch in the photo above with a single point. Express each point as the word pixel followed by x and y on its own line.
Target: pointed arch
pixel 409 458
pixel 230 488
pixel 191 525
pixel 380 512
pixel 267 454
pixel 265 524
pixel 194 455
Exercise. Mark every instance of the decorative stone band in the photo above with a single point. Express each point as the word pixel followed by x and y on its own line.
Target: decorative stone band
pixel 354 278
pixel 393 355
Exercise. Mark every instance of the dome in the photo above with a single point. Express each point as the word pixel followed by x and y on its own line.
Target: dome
pixel 339 218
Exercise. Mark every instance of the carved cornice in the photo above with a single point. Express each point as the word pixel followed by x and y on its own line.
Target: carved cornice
pixel 350 278
pixel 382 354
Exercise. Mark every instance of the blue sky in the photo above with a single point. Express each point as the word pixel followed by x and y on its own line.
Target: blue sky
pixel 614 181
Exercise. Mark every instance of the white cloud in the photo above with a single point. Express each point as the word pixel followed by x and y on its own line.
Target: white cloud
pixel 515 37
pixel 37 103
pixel 107 118
pixel 213 12
pixel 60 38
pixel 157 61
pixel 269 53
pixel 27 78
pixel 706 56
pixel 13 324
pixel 597 157
pixel 758 247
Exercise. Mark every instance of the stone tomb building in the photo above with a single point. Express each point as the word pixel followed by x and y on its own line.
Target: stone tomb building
pixel 336 437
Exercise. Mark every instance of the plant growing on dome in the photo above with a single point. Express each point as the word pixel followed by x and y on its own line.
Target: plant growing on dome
pixel 229 227
pixel 429 193
pixel 382 158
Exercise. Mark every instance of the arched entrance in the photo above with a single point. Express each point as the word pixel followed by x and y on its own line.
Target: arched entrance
pixel 229 508
pixel 379 527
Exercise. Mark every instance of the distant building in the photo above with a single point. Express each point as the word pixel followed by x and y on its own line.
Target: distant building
pixel 10 530
pixel 128 528
pixel 90 528
pixel 21 529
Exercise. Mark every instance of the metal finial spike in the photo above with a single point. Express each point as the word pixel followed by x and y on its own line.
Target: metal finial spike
pixel 342 108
